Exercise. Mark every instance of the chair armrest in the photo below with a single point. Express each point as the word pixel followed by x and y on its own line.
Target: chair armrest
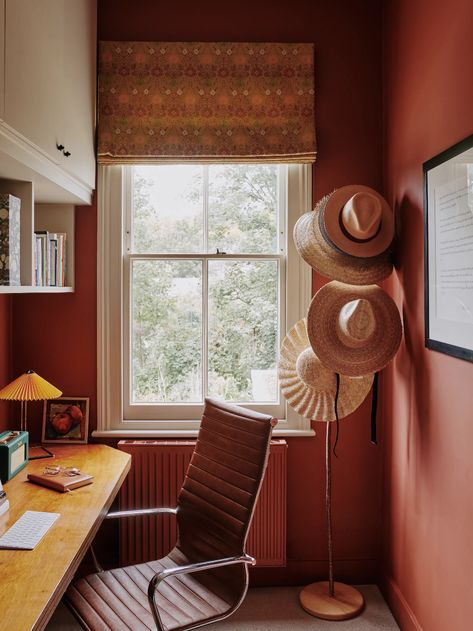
pixel 203 565
pixel 129 513
pixel 140 512
pixel 189 569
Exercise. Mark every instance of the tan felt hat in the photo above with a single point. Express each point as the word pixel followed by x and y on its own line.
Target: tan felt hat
pixel 329 250
pixel 310 387
pixel 354 330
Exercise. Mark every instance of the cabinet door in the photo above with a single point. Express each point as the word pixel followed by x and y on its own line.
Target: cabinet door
pixel 34 71
pixel 80 45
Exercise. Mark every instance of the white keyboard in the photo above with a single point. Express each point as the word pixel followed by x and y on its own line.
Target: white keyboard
pixel 27 532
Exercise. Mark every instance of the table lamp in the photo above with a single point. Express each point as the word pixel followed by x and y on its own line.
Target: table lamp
pixel 29 387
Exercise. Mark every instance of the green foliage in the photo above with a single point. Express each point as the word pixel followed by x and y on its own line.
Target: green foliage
pixel 243 209
pixel 152 233
pixel 242 294
pixel 242 324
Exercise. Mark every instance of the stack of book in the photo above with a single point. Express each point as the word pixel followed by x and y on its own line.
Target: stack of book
pixel 50 262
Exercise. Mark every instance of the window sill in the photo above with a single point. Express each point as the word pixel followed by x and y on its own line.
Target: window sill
pixel 184 433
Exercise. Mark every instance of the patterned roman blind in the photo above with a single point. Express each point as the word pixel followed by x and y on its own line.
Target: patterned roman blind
pixel 206 102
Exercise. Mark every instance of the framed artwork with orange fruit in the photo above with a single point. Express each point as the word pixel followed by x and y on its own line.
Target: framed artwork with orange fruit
pixel 66 420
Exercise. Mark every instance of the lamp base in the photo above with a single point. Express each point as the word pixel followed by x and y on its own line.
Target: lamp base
pixel 36 452
pixel 347 602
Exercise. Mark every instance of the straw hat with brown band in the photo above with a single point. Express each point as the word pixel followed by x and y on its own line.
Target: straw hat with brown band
pixel 353 330
pixel 309 387
pixel 347 236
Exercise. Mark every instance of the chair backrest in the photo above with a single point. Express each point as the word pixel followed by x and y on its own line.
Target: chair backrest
pixel 223 480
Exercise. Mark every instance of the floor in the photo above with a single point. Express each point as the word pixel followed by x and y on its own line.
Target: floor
pixel 278 609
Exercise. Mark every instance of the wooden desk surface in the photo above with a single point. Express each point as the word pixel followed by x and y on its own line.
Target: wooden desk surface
pixel 32 582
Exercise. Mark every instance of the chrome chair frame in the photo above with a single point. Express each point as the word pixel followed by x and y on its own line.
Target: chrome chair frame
pixel 183 569
pixel 252 468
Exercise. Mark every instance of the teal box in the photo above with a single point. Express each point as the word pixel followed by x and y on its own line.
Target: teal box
pixel 13 453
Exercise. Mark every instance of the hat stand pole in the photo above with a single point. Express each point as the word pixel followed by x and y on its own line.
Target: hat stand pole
pixel 328 504
pixel 330 600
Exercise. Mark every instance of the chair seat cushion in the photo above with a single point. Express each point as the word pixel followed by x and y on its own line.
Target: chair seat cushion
pixel 118 599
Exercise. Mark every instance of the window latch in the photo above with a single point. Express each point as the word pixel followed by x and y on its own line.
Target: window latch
pixel 218 252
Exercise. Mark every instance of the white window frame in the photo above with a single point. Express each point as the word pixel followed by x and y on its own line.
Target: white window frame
pixel 149 413
pixel 112 236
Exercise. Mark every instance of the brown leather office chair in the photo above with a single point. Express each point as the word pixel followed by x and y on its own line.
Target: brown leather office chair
pixel 205 577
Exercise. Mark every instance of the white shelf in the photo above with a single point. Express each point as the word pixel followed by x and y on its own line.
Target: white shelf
pixel 28 289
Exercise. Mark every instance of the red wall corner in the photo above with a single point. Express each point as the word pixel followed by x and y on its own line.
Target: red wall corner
pixel 427 400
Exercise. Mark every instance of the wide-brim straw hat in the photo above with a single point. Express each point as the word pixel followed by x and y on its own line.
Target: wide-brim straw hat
pixel 354 330
pixel 310 387
pixel 330 251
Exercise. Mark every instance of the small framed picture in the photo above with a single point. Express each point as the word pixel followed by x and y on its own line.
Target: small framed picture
pixel 66 420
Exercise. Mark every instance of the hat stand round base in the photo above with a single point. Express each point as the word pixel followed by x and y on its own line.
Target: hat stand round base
pixel 346 602
pixel 328 599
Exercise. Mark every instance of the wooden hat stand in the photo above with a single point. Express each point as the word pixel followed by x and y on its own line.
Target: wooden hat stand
pixel 328 599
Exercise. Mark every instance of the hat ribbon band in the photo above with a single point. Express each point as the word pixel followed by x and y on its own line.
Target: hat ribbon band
pixel 351 237
pixel 327 238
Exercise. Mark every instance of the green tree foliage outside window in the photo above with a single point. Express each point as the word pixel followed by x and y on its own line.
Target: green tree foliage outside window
pixel 242 298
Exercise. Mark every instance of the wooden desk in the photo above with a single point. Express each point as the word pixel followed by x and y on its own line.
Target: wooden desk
pixel 32 582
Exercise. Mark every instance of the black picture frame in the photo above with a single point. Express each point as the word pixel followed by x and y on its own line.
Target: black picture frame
pixel 448 251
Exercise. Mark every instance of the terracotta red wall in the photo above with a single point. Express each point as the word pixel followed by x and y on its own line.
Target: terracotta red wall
pixel 5 354
pixel 428 494
pixel 55 335
pixel 347 37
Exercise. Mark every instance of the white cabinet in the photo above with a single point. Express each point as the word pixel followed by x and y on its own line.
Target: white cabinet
pixel 34 72
pixel 49 97
pixel 47 100
pixel 80 87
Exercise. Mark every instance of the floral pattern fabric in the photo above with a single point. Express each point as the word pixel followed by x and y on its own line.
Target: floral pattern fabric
pixel 9 239
pixel 206 101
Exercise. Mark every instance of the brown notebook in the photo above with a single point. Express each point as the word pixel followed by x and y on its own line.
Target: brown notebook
pixel 61 482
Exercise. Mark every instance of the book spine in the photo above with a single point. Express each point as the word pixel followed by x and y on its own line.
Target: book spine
pixel 35 255
pixel 41 258
pixel 38 277
pixel 62 241
pixel 52 260
pixel 65 259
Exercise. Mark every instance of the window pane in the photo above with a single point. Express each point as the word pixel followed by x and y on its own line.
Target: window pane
pixel 243 202
pixel 243 330
pixel 166 333
pixel 167 209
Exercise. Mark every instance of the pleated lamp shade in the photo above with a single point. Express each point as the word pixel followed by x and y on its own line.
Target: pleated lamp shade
pixel 29 387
